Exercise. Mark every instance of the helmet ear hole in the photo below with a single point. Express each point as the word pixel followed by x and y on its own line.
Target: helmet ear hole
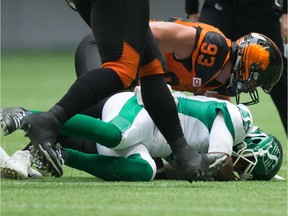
pixel 263 44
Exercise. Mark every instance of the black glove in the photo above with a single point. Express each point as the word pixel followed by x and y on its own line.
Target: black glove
pixel 188 162
pixel 198 166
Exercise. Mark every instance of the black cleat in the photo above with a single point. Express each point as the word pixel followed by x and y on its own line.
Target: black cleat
pixel 42 130
pixel 53 159
pixel 11 119
pixel 44 163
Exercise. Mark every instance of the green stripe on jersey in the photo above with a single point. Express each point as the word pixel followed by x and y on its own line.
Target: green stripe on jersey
pixel 127 114
pixel 205 111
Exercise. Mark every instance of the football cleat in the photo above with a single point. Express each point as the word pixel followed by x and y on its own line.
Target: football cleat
pixel 52 158
pixel 42 130
pixel 47 160
pixel 34 174
pixel 17 166
pixel 3 158
pixel 11 119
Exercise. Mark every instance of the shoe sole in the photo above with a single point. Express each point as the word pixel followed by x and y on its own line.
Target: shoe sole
pixel 47 151
pixel 34 174
pixel 10 173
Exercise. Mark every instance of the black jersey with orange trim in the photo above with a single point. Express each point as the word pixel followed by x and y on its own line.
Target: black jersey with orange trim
pixel 198 72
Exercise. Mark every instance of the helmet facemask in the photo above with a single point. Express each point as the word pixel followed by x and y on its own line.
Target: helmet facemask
pixel 243 81
pixel 245 161
pixel 255 64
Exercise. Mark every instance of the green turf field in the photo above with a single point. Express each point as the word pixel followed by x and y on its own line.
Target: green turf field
pixel 37 81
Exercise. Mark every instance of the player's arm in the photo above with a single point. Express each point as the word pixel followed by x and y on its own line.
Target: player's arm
pixel 174 38
pixel 221 141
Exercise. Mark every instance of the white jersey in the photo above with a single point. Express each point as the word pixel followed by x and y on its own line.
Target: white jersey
pixel 209 124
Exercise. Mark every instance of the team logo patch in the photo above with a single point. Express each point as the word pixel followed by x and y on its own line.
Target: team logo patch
pixel 196 82
pixel 246 119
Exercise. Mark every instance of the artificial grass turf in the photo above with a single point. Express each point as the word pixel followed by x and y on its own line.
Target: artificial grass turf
pixel 38 81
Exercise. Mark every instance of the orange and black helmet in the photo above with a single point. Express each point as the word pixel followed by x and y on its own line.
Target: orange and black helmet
pixel 257 62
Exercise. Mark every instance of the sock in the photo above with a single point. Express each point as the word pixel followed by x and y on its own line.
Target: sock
pixel 86 127
pixel 111 168
pixel 90 128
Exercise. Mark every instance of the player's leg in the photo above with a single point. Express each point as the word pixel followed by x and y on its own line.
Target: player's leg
pixel 134 164
pixel 81 126
pixel 82 145
pixel 161 107
pixel 120 64
pixel 120 58
pixel 279 96
pixel 222 15
pixel 268 23
pixel 93 129
pixel 87 56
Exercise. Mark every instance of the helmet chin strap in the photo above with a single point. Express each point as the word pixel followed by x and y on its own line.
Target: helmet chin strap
pixel 235 87
pixel 231 90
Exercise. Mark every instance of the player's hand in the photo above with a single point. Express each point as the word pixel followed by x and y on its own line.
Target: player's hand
pixel 215 163
pixel 198 166
pixel 188 161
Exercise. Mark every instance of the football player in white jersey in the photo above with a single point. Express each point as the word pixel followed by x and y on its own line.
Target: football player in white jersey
pixel 128 140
